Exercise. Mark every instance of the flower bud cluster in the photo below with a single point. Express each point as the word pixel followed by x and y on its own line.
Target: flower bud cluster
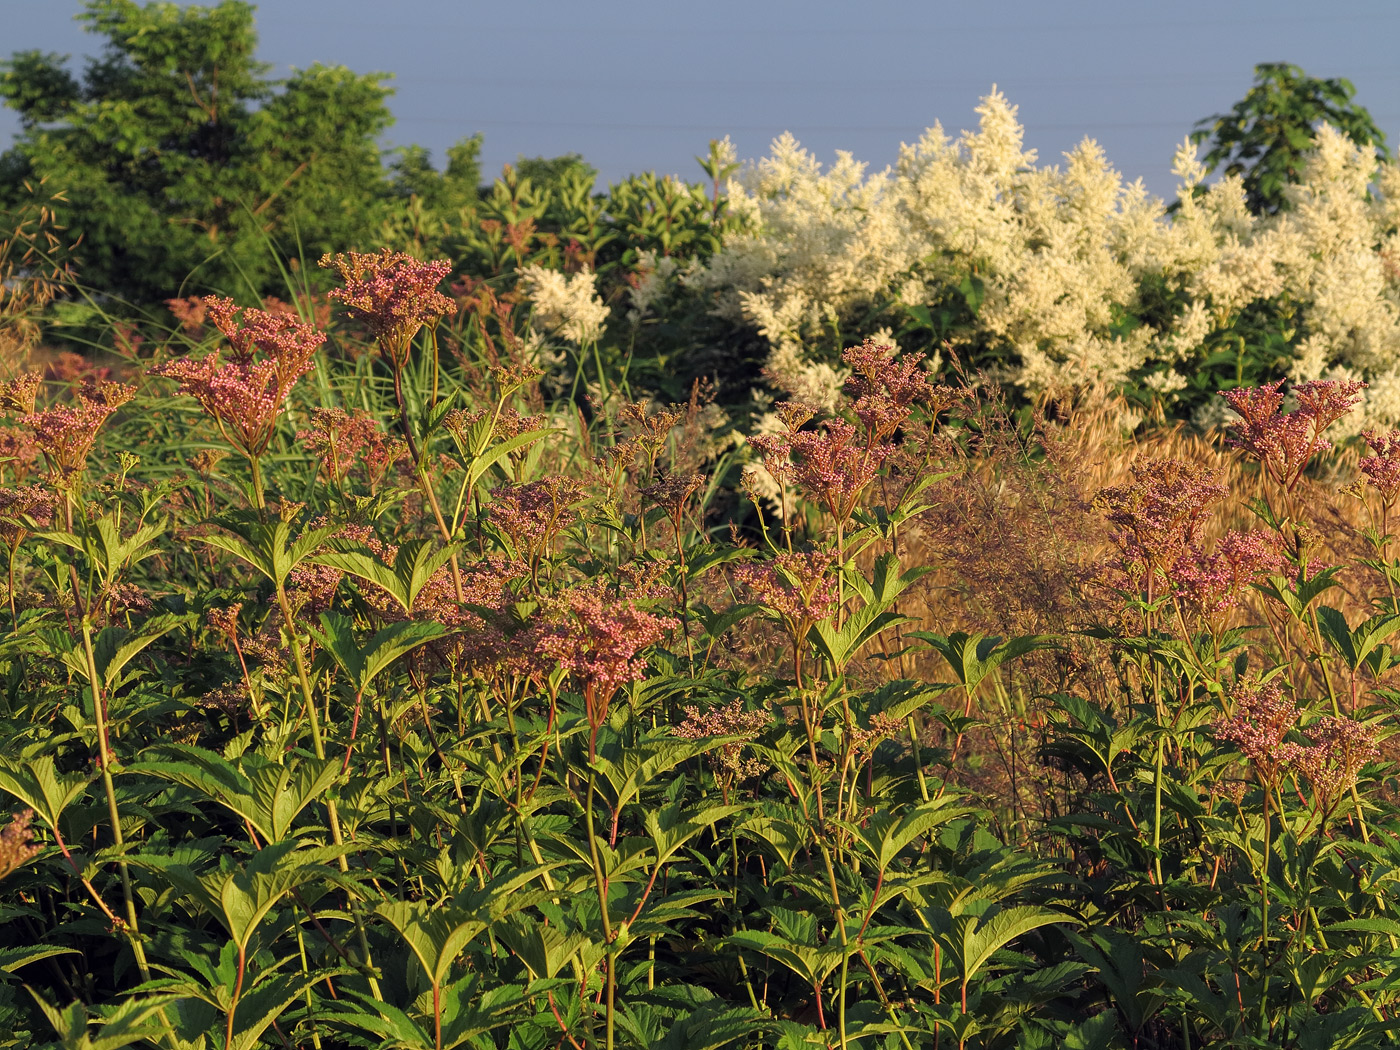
pixel 1285 442
pixel 246 392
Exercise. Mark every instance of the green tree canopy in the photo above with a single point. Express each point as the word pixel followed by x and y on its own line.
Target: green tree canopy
pixel 181 159
pixel 1265 136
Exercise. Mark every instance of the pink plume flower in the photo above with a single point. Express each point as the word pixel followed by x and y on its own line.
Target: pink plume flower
pixel 1340 749
pixel 600 641
pixel 245 393
pixel 1214 583
pixel 798 586
pixel 1262 718
pixel 1159 514
pixel 1285 442
pixel 393 293
pixel 1382 469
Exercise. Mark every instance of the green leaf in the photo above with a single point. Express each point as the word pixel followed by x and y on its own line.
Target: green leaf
pixel 11 959
pixel 978 941
pixel 974 656
pixel 386 645
pixel 37 784
pixel 356 559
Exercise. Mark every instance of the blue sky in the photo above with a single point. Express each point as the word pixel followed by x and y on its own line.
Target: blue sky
pixel 644 84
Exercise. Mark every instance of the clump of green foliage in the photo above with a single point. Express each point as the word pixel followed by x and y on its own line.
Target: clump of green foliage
pixel 357 694
pixel 178 155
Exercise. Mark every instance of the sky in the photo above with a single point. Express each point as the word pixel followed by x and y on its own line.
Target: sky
pixel 636 85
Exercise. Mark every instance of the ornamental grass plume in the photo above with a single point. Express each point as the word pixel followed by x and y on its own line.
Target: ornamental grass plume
pixel 1284 443
pixel 393 293
pixel 245 388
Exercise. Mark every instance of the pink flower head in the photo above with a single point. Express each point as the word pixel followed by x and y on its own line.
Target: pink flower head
pixel 1160 513
pixel 1284 443
pixel 23 508
pixel 830 465
pixel 17 843
pixel 18 450
pixel 884 391
pixel 338 438
pixel 20 393
pixel 1382 469
pixel 66 433
pixel 599 641
pixel 672 491
pixel 728 760
pixel 246 393
pixel 798 586
pixel 1214 583
pixel 1263 717
pixel 1340 750
pixel 531 515
pixel 393 293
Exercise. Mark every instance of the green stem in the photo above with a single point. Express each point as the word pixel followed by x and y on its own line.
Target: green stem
pixel 320 748
pixel 600 883
pixel 1157 817
pixel 104 752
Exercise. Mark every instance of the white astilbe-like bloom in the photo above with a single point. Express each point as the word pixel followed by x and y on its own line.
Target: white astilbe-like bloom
pixel 565 304
pixel 1081 277
pixel 654 273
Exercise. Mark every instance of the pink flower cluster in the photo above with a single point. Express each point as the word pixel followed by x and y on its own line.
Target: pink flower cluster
pixel 831 465
pixel 338 438
pixel 1262 718
pixel 834 463
pixel 245 394
pixel 1285 442
pixel 18 451
pixel 1159 514
pixel 884 391
pixel 529 516
pixel 63 433
pixel 22 508
pixel 883 726
pixel 1382 469
pixel 66 433
pixel 1214 583
pixel 798 586
pixel 393 293
pixel 730 720
pixel 672 491
pixel 599 640
pixel 1340 749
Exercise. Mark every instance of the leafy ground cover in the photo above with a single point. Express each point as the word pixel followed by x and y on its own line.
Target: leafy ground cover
pixel 362 688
